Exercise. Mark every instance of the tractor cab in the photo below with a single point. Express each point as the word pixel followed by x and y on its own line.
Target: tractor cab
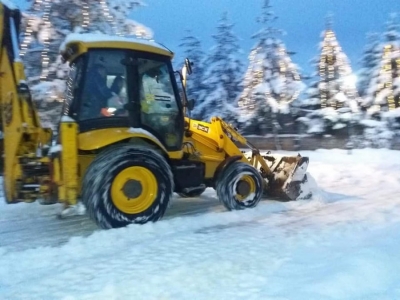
pixel 123 83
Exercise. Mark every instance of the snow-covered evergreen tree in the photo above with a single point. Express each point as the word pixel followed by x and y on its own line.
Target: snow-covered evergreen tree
pixel 369 62
pixel 48 22
pixel 333 94
pixel 383 95
pixel 384 89
pixel 337 88
pixel 272 80
pixel 196 89
pixel 223 75
pixel 311 96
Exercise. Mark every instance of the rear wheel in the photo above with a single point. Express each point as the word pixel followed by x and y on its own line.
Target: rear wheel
pixel 127 185
pixel 239 186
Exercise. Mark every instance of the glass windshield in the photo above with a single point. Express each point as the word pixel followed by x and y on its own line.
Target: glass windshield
pixel 104 93
pixel 123 88
pixel 159 106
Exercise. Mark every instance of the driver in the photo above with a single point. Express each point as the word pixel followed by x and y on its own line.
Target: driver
pixel 100 94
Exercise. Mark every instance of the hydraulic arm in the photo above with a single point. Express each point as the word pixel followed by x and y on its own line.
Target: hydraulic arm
pixel 20 122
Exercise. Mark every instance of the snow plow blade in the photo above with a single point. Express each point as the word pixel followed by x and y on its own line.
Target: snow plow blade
pixel 285 176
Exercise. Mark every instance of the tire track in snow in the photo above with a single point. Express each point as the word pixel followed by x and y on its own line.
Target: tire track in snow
pixel 31 231
pixel 48 230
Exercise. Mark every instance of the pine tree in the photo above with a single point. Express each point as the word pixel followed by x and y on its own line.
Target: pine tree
pixel 196 89
pixel 47 23
pixel 369 62
pixel 272 80
pixel 384 89
pixel 224 74
pixel 332 96
pixel 337 89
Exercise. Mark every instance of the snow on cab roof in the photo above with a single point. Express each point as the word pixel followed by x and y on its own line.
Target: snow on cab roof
pixel 100 37
pixel 9 4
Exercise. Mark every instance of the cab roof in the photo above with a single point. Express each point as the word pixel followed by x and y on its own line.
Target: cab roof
pixel 76 44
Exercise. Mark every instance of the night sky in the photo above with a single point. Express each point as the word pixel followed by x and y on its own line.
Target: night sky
pixel 303 22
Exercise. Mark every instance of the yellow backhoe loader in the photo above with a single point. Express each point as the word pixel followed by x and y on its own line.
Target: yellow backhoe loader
pixel 125 142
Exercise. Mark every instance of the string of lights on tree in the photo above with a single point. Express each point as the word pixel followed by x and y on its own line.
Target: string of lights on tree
pixel 28 34
pixel 46 40
pixel 389 71
pixel 256 75
pixel 335 73
pixel 44 8
pixel 109 17
pixel 252 77
pixel 287 71
pixel 85 15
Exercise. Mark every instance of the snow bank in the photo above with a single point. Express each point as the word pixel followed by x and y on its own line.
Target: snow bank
pixel 341 246
pixel 377 134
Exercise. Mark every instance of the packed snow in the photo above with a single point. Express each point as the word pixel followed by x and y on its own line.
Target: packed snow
pixel 341 244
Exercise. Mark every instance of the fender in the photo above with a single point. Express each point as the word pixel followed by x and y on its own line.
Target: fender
pixel 226 163
pixel 97 139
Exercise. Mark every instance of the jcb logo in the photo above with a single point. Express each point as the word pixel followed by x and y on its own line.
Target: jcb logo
pixel 202 128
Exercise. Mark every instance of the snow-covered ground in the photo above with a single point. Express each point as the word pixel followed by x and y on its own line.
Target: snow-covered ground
pixel 342 244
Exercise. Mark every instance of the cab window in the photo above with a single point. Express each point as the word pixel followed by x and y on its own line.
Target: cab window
pixel 104 92
pixel 159 106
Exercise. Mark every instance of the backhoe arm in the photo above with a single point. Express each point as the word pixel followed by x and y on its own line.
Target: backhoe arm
pixel 23 134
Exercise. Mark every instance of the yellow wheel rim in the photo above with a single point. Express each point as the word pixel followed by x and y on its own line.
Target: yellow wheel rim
pixel 134 190
pixel 246 179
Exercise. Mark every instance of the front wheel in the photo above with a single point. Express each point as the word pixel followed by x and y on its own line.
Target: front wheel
pixel 127 185
pixel 239 186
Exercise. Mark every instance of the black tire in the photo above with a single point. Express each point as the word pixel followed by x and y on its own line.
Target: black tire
pixel 192 194
pixel 228 179
pixel 100 175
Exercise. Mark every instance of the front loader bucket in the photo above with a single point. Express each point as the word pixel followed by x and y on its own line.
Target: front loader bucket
pixel 288 180
pixel 285 176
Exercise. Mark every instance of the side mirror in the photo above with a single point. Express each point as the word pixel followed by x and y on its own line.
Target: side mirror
pixel 188 65
pixel 190 104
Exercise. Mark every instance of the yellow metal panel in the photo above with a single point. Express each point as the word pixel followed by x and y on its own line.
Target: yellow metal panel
pixel 19 71
pixel 205 138
pixel 69 162
pixel 205 132
pixel 97 139
pixel 56 178
pixel 11 121
pixel 211 144
pixel 45 136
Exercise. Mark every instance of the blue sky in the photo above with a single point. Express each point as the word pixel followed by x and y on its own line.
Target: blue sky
pixel 303 22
